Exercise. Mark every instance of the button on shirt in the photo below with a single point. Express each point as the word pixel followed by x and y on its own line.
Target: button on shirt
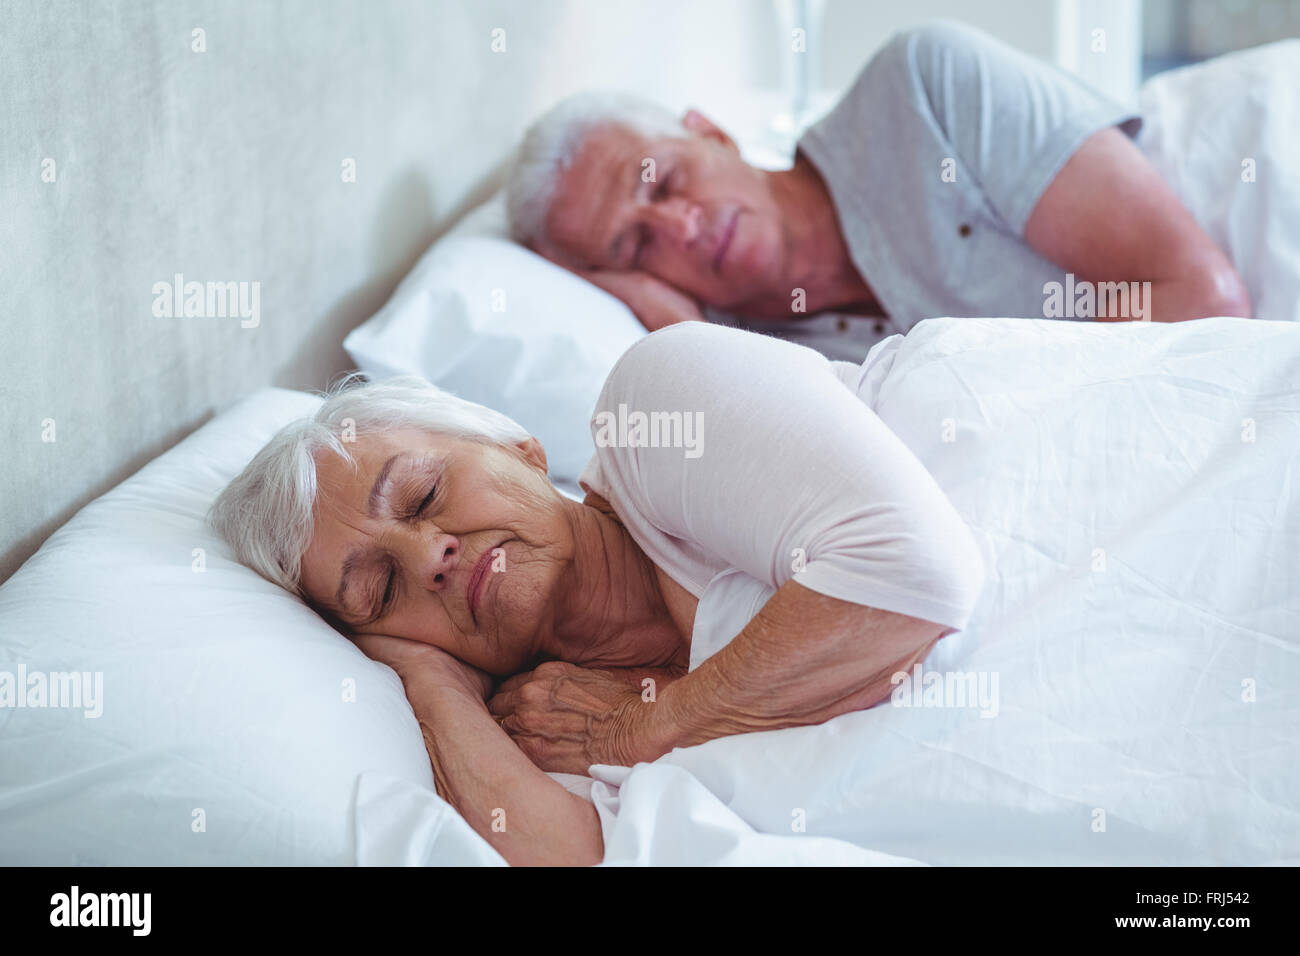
pixel 934 159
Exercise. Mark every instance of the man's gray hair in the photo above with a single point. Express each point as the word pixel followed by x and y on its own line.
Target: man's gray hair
pixel 551 143
pixel 266 514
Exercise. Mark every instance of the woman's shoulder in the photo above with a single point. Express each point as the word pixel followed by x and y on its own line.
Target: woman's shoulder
pixel 681 356
pixel 674 342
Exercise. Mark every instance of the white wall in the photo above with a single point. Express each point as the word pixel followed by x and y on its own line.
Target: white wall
pixel 1101 41
pixel 224 165
pixel 856 27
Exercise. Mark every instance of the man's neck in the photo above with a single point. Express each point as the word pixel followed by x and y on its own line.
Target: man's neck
pixel 820 262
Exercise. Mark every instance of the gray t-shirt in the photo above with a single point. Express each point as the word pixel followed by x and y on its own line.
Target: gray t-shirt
pixel 934 159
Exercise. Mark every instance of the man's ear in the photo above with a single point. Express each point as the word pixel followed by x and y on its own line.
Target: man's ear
pixel 701 125
pixel 533 453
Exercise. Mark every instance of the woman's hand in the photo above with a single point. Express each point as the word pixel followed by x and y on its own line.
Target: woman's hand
pixel 417 662
pixel 566 718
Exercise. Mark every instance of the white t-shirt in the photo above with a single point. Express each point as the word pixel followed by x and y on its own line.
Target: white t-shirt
pixel 771 469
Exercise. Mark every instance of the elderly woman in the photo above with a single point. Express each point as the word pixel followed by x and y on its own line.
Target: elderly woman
pixel 775 571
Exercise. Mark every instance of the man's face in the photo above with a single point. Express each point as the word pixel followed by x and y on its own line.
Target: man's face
pixel 707 224
pixel 398 542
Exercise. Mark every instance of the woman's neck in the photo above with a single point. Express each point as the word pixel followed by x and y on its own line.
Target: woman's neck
pixel 612 612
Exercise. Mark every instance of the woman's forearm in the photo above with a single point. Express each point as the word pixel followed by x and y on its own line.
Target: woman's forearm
pixel 526 816
pixel 803 659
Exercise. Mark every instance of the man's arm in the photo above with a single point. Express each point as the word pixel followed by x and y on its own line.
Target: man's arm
pixel 1108 216
pixel 526 816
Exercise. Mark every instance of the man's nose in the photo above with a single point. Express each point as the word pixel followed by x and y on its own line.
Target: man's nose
pixel 677 219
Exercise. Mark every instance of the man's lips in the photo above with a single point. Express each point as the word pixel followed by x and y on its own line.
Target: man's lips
pixel 725 242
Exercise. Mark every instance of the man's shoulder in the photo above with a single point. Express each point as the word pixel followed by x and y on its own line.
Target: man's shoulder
pixel 928 49
pixel 900 82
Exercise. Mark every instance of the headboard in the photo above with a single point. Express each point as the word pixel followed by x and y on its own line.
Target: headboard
pixel 293 158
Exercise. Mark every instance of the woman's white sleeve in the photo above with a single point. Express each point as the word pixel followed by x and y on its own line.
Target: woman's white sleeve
pixel 787 473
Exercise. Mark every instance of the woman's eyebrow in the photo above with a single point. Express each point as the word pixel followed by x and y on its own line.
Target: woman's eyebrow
pixel 377 489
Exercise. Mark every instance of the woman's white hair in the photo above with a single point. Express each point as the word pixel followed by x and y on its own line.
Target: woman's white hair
pixel 266 514
pixel 551 143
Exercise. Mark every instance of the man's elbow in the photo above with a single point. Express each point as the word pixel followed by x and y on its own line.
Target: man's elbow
pixel 1213 290
pixel 1230 295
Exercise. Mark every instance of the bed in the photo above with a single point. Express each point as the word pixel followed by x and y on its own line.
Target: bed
pixel 1134 662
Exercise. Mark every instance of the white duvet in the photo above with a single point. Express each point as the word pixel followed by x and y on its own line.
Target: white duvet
pixel 1134 490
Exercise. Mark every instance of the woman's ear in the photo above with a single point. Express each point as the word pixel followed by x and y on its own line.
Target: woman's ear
pixel 701 125
pixel 533 453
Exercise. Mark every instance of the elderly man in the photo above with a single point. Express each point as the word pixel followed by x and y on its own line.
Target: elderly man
pixel 957 177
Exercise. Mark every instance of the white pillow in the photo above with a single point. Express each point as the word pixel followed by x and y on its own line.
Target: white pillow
pixel 237 727
pixel 499 325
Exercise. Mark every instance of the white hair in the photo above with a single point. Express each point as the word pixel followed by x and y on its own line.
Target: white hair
pixel 551 143
pixel 266 514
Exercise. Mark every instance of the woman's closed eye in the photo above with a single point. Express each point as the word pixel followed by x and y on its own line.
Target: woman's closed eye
pixel 391 584
pixel 424 504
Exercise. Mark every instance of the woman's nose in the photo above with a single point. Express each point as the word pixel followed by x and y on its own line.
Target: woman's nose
pixel 438 560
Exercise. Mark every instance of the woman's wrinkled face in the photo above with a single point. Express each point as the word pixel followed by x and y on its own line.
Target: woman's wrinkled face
pixel 456 543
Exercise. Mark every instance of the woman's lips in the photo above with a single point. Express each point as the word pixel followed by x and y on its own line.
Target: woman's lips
pixel 477 582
